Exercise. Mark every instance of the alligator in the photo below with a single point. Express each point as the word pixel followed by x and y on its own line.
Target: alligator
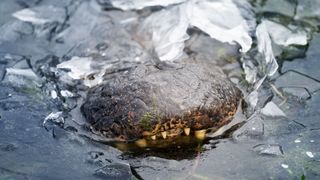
pixel 152 102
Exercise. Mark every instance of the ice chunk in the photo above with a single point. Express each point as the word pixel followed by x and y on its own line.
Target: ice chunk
pixel 254 128
pixel 13 30
pixel 55 117
pixel 84 68
pixel 308 9
pixel 79 67
pixel 284 36
pixel 169 31
pixel 22 78
pixel 299 92
pixel 22 72
pixel 296 80
pixel 310 64
pixel 265 48
pixel 252 98
pixel 310 154
pixel 285 166
pixel 53 94
pixel 168 27
pixel 271 109
pixel 226 24
pixel 140 4
pixel 279 7
pixel 114 171
pixel 41 14
pixel 66 93
pixel 268 149
pixel 297 141
pixel 250 70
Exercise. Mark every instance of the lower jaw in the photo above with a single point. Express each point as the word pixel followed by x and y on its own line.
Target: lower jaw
pixel 167 143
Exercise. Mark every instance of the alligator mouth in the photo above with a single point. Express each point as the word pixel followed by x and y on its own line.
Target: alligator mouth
pixel 175 136
pixel 197 122
pixel 193 124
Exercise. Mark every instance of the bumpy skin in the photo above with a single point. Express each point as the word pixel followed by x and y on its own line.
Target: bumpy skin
pixel 145 101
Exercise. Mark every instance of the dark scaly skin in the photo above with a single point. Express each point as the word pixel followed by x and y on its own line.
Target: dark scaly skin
pixel 144 101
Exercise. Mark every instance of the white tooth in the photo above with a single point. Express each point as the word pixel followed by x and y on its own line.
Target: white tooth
pixel 164 134
pixel 200 134
pixel 186 131
pixel 141 143
pixel 153 137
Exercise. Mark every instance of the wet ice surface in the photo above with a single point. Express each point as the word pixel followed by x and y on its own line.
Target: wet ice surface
pixel 33 90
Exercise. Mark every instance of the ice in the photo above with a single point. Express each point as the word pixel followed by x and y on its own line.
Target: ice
pixel 21 72
pixel 297 141
pixel 280 7
pixel 55 117
pixel 252 98
pixel 41 14
pixel 299 92
pixel 83 68
pixel 310 154
pixel 140 4
pixel 235 29
pixel 268 149
pixel 265 48
pixel 254 128
pixel 310 64
pixel 308 9
pixel 53 94
pixel 22 78
pixel 271 109
pixel 250 70
pixel 168 27
pixel 285 36
pixel 168 40
pixel 13 30
pixel 79 67
pixel 115 171
pixel 295 80
pixel 66 93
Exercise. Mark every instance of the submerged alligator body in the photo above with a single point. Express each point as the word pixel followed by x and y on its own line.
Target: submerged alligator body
pixel 145 102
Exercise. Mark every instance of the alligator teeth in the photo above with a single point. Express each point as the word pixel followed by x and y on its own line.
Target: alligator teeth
pixel 164 134
pixel 186 131
pixel 142 143
pixel 153 137
pixel 200 134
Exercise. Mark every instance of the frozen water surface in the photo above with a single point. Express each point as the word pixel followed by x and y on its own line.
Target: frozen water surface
pixel 52 50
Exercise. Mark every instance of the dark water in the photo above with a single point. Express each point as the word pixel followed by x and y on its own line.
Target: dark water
pixel 265 147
